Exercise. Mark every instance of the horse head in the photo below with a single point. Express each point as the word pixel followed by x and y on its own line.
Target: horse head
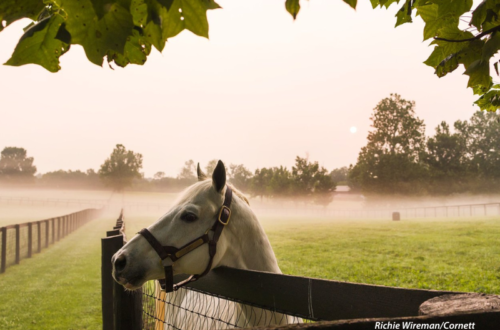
pixel 243 244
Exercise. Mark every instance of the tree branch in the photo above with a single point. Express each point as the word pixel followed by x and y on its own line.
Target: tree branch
pixel 479 36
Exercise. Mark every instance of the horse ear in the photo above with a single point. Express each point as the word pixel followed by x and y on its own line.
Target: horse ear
pixel 219 176
pixel 201 176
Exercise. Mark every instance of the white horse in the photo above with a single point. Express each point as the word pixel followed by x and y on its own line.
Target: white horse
pixel 243 243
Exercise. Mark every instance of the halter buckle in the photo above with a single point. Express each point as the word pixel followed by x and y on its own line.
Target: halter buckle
pixel 220 215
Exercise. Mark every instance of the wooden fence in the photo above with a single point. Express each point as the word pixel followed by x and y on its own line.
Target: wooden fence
pixel 324 304
pixel 22 240
pixel 121 309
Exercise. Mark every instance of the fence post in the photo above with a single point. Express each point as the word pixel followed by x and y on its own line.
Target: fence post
pixel 4 249
pixel 109 246
pixel 58 228
pixel 53 230
pixel 30 239
pixel 127 308
pixel 18 246
pixel 47 233
pixel 121 310
pixel 39 233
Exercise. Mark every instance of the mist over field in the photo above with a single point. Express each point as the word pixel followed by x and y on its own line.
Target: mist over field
pixel 23 205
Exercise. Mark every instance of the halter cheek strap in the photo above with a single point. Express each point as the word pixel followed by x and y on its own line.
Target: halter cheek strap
pixel 170 254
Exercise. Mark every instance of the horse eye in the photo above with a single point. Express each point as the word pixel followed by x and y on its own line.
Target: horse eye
pixel 189 217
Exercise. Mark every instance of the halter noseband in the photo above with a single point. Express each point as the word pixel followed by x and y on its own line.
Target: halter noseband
pixel 173 254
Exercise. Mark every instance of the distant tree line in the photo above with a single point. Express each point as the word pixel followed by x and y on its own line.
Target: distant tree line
pixel 121 170
pixel 306 180
pixel 399 159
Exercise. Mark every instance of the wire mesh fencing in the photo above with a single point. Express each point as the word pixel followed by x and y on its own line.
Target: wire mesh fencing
pixel 192 309
pixel 22 240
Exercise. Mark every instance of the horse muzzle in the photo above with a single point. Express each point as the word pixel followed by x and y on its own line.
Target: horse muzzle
pixel 123 273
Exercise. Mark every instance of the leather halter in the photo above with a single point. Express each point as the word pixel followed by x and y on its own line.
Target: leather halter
pixel 171 253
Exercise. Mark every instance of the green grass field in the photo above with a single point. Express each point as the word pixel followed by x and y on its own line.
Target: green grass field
pixel 440 254
pixel 60 288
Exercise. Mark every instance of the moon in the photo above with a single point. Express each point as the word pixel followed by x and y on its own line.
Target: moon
pixel 353 129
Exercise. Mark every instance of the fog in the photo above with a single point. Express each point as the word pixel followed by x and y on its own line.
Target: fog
pixel 23 205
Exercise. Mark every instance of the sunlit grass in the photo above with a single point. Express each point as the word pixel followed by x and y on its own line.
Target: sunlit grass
pixel 59 288
pixel 440 254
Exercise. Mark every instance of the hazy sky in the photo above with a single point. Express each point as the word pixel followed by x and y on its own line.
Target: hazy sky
pixel 262 90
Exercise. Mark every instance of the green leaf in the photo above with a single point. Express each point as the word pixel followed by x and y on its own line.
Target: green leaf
pixel 404 14
pixel 153 34
pixel 166 3
pixel 491 46
pixel 433 23
pixel 98 36
pixel 139 11
pixel 101 7
pixel 39 45
pixel 185 14
pixel 211 4
pixel 449 64
pixel 351 3
pixel 136 51
pixel 453 8
pixel 479 15
pixel 479 74
pixel 387 3
pixel 12 10
pixel 489 101
pixel 63 34
pixel 442 51
pixel 293 7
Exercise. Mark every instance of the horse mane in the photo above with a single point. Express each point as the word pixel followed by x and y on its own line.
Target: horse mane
pixel 239 194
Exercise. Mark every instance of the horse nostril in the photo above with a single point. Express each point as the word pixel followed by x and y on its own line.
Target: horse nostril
pixel 120 263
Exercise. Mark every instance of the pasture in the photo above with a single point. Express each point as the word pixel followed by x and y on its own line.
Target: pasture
pixel 60 288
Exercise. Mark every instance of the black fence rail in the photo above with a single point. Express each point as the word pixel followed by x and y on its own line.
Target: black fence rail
pixel 22 240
